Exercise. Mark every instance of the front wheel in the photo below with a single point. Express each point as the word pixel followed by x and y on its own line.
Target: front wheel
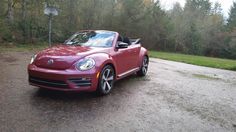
pixel 106 80
pixel 144 68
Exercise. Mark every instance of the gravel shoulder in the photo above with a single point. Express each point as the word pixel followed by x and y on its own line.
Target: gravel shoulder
pixel 172 97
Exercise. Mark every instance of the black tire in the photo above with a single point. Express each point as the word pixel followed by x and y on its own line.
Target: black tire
pixel 106 80
pixel 144 67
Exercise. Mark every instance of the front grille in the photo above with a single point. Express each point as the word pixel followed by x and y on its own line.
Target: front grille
pixel 48 83
pixel 81 82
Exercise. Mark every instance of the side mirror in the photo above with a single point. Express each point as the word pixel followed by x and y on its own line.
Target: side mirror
pixel 122 45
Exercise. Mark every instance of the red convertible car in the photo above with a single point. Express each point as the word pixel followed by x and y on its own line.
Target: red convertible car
pixel 88 61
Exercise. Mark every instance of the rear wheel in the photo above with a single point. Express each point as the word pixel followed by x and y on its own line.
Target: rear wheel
pixel 144 68
pixel 106 80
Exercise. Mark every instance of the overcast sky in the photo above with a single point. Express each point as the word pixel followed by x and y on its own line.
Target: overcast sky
pixel 226 4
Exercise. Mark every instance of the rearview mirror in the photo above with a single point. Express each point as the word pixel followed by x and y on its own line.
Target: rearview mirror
pixel 122 45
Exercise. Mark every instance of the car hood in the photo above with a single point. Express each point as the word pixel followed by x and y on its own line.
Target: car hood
pixel 62 57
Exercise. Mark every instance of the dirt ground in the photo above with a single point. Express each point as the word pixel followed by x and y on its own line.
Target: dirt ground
pixel 172 97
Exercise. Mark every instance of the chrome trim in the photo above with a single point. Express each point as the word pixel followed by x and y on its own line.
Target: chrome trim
pixel 128 72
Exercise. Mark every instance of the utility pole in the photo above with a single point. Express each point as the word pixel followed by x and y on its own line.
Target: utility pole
pixel 50 12
pixel 50 31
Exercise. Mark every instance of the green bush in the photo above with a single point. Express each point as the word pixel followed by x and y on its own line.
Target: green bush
pixel 5 31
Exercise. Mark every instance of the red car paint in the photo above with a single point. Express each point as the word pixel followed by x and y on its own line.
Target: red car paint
pixel 62 71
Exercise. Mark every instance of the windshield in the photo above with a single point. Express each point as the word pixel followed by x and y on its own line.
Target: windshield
pixel 92 39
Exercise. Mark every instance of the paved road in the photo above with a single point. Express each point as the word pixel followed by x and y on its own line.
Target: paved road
pixel 172 97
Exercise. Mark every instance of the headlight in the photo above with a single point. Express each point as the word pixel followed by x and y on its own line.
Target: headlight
pixel 85 64
pixel 33 58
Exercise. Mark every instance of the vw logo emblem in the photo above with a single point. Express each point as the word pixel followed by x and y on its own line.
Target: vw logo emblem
pixel 50 62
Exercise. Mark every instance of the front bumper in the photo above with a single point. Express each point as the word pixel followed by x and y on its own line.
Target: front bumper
pixel 63 80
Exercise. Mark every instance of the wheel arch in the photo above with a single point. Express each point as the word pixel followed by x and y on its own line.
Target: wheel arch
pixel 143 52
pixel 112 65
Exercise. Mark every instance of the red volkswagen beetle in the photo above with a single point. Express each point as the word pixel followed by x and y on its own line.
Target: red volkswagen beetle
pixel 88 61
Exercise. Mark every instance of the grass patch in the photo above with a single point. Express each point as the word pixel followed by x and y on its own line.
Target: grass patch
pixel 190 59
pixel 197 60
pixel 22 47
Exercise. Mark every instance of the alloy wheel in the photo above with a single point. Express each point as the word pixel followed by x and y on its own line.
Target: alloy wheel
pixel 145 65
pixel 106 80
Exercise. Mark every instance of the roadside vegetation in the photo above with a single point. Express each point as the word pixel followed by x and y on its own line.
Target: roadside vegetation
pixel 190 59
pixel 196 60
pixel 22 47
pixel 199 27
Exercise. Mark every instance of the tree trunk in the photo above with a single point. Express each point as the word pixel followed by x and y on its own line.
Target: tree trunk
pixel 10 11
pixel 72 17
pixel 23 9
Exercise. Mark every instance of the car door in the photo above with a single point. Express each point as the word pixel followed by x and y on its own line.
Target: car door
pixel 122 59
pixel 133 53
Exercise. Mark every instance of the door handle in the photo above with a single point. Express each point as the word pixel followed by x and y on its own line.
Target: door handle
pixel 129 50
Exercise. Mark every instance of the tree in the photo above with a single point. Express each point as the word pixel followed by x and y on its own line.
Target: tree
pixel 231 25
pixel 232 17
pixel 177 32
pixel 217 9
pixel 10 11
pixel 199 8
pixel 196 28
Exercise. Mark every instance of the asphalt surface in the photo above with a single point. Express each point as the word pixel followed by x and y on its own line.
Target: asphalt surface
pixel 172 97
